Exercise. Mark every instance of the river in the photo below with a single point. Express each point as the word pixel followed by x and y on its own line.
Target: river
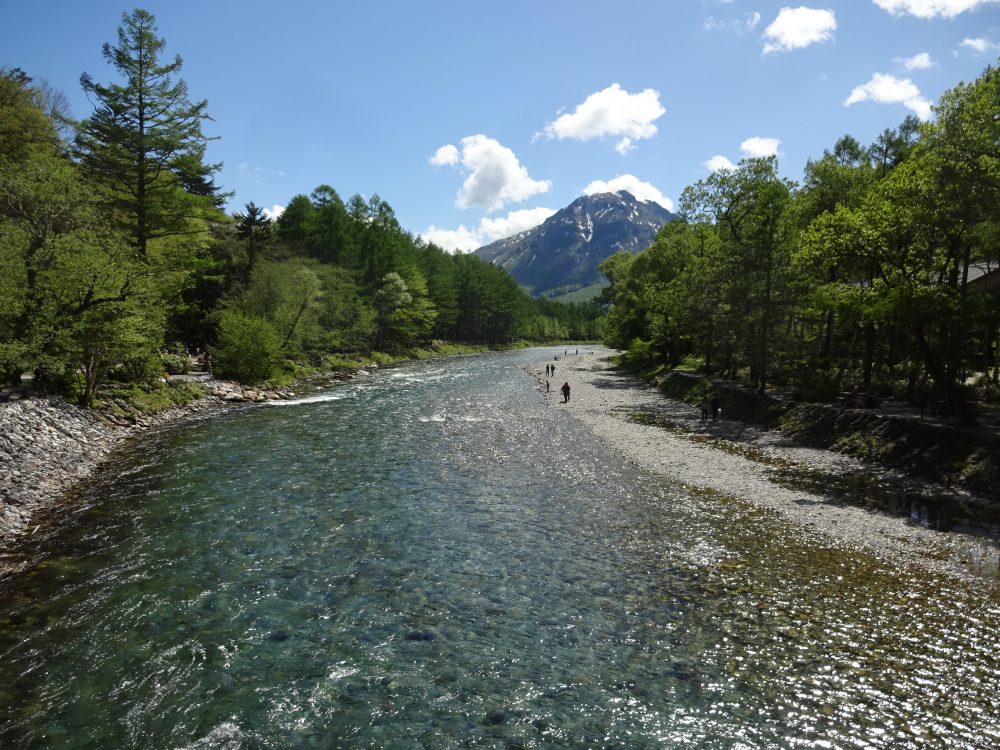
pixel 432 557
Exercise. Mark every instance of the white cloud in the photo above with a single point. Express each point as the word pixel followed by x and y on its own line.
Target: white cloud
pixel 465 240
pixel 258 173
pixel 612 111
pixel 514 222
pixel 760 147
pixel 739 27
pixel 496 177
pixel 920 61
pixel 644 191
pixel 931 8
pixel 624 145
pixel 979 44
pixel 446 155
pixel 795 28
pixel 459 240
pixel 718 163
pixel 274 211
pixel 887 89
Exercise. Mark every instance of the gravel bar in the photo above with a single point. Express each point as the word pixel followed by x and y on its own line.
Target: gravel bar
pixel 605 398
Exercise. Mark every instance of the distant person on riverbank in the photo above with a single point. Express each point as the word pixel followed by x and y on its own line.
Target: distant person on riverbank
pixel 553 369
pixel 716 405
pixel 546 386
pixel 546 370
pixel 565 390
pixel 703 406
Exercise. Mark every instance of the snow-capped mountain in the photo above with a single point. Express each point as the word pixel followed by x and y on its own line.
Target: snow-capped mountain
pixel 561 255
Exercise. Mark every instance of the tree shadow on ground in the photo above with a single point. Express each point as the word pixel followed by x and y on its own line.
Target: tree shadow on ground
pixel 617 382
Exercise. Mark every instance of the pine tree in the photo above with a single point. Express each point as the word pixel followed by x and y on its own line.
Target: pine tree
pixel 144 142
pixel 254 226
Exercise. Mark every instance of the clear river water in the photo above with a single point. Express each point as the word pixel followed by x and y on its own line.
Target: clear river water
pixel 432 557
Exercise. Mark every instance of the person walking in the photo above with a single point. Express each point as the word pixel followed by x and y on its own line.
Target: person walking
pixel 565 391
pixel 716 404
pixel 703 406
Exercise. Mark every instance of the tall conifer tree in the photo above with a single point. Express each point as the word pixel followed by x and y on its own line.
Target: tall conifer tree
pixel 144 142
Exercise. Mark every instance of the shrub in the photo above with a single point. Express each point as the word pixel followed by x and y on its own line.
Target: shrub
pixel 247 348
pixel 640 354
pixel 691 362
pixel 986 389
pixel 175 364
pixel 144 367
pixel 860 444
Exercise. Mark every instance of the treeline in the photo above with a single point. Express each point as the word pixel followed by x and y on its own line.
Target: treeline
pixel 115 248
pixel 872 275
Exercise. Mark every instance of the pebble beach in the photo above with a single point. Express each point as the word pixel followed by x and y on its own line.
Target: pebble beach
pixel 693 453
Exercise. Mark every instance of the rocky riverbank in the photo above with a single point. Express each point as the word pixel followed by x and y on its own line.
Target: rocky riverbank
pixel 47 445
pixel 739 462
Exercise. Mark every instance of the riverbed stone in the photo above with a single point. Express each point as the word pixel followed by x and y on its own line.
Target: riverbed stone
pixel 420 635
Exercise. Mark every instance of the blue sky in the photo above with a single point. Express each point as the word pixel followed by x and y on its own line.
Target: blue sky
pixel 478 119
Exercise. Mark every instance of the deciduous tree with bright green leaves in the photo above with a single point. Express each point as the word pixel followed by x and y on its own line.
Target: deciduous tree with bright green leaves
pixel 861 278
pixel 750 208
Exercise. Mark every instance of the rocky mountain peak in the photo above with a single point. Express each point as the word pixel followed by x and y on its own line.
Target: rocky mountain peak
pixel 561 255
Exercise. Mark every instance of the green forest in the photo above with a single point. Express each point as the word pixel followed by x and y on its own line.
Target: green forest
pixel 877 276
pixel 117 254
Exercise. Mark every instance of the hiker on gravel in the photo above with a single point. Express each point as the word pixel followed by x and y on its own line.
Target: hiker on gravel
pixel 716 404
pixel 703 406
pixel 565 390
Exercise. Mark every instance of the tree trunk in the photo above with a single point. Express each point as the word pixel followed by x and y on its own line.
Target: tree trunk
pixel 869 360
pixel 708 346
pixel 850 355
pixel 90 372
pixel 766 321
pixel 828 338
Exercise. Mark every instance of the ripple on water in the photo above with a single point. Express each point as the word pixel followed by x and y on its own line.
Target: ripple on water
pixel 343 573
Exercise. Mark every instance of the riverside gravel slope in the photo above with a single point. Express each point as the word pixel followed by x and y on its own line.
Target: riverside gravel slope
pixel 605 399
